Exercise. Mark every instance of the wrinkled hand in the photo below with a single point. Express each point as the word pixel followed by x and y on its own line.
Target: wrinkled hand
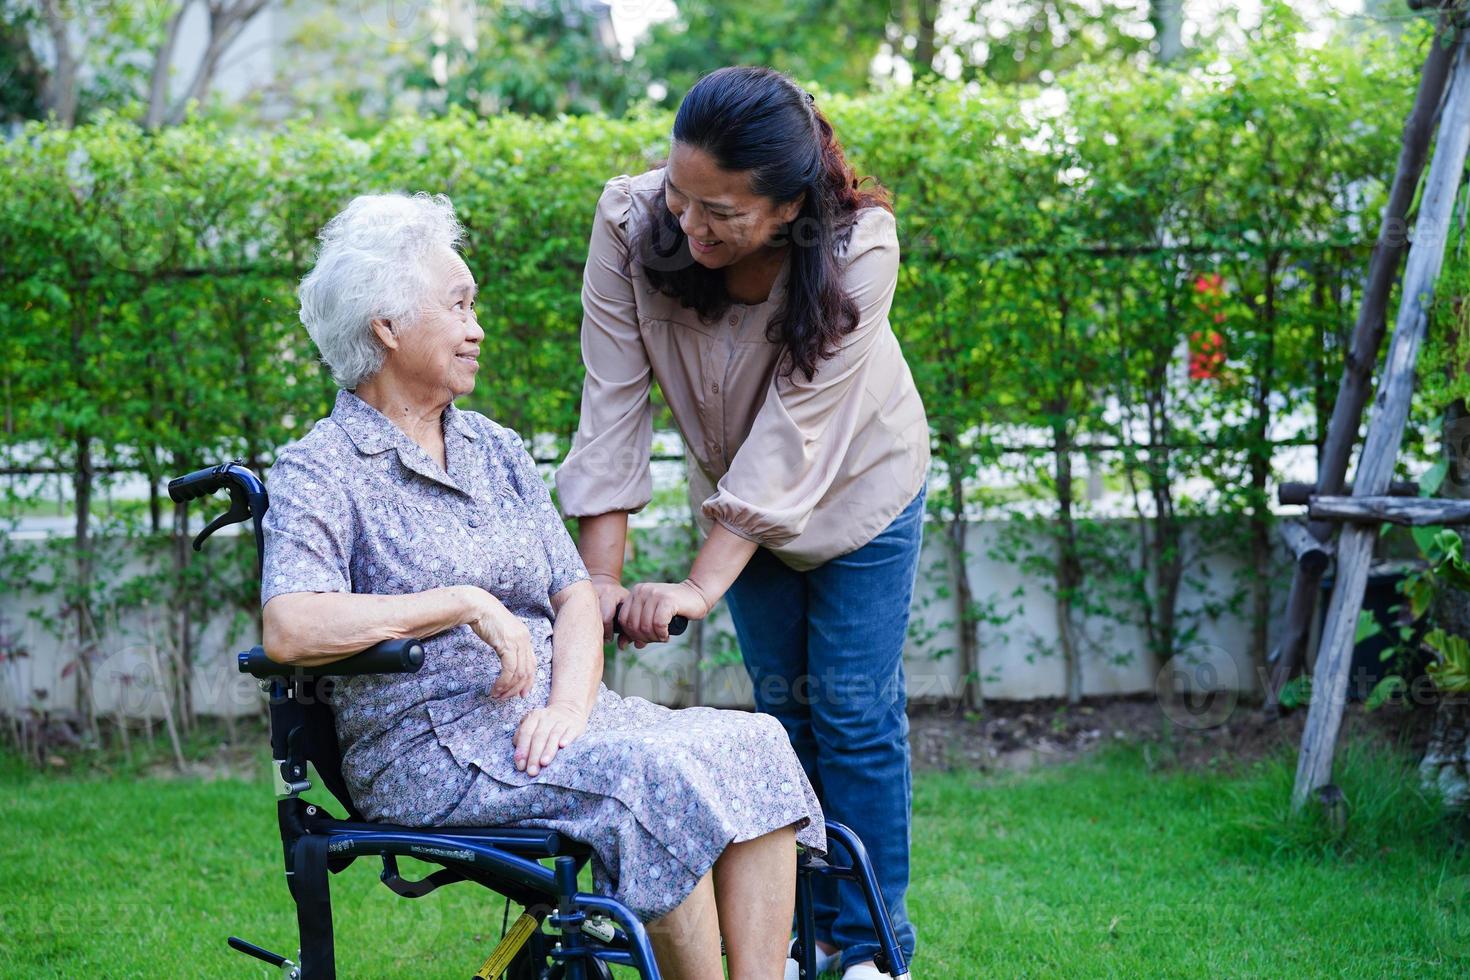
pixel 651 605
pixel 511 640
pixel 545 730
pixel 610 593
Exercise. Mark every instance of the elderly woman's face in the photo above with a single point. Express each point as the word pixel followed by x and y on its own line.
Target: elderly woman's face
pixel 441 350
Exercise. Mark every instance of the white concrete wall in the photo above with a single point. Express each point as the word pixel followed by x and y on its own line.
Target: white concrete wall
pixel 134 646
pixel 1018 660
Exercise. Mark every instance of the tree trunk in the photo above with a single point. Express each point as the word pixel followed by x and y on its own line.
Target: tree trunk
pixel 86 625
pixel 226 22
pixel 974 697
pixel 183 623
pixel 163 61
pixel 1166 544
pixel 1167 17
pixel 928 10
pixel 59 95
pixel 1068 568
pixel 1446 763
pixel 1259 451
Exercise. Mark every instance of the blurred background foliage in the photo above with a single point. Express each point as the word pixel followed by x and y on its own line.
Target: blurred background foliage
pixel 356 63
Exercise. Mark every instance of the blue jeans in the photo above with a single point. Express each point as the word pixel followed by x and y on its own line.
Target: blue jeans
pixel 824 649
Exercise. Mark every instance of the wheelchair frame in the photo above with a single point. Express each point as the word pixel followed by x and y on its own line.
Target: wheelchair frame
pixel 586 932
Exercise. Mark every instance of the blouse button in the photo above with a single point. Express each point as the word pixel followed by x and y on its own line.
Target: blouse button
pixel 717 448
pixel 475 520
pixel 715 389
pixel 734 320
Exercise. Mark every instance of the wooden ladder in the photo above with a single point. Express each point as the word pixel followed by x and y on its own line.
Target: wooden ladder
pixel 1373 499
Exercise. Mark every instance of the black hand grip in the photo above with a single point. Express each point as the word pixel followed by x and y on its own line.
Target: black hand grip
pixel 388 657
pixel 677 625
pixel 200 483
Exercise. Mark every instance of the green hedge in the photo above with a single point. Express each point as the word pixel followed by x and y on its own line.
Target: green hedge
pixel 147 294
pixel 1059 255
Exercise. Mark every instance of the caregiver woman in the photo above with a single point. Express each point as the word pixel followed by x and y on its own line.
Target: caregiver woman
pixel 752 277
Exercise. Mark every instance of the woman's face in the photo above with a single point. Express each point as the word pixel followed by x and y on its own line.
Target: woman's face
pixel 724 220
pixel 440 351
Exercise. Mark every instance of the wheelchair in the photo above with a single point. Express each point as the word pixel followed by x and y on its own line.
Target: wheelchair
pixel 562 934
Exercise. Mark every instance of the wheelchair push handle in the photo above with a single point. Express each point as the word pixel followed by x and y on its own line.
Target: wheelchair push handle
pixel 677 625
pixel 200 483
pixel 247 496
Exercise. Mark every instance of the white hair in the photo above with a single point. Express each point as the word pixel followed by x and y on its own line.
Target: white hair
pixel 371 265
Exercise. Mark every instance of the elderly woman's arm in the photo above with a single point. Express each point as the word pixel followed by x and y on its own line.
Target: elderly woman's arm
pixel 313 628
pixel 576 675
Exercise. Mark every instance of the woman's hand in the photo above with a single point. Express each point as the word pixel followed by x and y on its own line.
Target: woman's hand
pixel 610 593
pixel 510 638
pixel 651 605
pixel 545 730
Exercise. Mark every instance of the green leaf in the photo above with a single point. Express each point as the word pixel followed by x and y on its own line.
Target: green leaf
pixel 1368 626
pixel 1384 690
pixel 1425 537
pixel 1433 478
pixel 1296 692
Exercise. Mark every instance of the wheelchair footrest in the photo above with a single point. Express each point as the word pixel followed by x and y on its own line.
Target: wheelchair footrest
pixel 261 953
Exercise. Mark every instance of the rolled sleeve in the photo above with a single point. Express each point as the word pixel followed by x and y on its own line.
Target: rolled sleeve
pixel 800 437
pixel 308 530
pixel 608 467
pixel 562 558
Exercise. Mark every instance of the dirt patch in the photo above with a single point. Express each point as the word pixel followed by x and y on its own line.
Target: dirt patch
pixel 1006 736
pixel 1021 735
pixel 241 762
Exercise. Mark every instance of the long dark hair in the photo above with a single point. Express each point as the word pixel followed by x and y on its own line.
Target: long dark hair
pixel 759 120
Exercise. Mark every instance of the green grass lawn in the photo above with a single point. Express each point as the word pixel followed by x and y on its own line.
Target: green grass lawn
pixel 1102 868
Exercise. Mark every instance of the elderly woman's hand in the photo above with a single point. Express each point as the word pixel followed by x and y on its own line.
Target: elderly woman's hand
pixel 650 607
pixel 510 638
pixel 545 730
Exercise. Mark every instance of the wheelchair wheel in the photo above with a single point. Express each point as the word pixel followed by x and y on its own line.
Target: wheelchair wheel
pixel 531 963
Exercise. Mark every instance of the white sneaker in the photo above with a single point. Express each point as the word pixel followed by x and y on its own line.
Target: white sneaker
pixel 824 962
pixel 863 971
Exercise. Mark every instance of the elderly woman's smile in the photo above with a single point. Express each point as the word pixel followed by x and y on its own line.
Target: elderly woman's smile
pixel 438 352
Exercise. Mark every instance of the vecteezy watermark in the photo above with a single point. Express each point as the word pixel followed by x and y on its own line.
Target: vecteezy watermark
pixel 138 227
pixel 400 21
pixel 140 680
pixel 638 10
pixel 1199 687
pixel 661 245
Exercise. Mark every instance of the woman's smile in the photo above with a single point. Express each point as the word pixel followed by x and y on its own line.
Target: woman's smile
pixel 703 247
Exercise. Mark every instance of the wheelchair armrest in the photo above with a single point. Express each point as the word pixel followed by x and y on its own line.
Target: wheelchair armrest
pixel 388 657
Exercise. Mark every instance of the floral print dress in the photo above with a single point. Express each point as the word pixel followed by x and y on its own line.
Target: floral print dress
pixel 357 506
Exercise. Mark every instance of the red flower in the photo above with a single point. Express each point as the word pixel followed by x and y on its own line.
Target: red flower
pixel 1209 283
pixel 1206 355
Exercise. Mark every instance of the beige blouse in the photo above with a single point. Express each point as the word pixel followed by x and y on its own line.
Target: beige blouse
pixel 809 469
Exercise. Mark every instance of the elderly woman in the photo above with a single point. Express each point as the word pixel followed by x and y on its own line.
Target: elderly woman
pixel 400 515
